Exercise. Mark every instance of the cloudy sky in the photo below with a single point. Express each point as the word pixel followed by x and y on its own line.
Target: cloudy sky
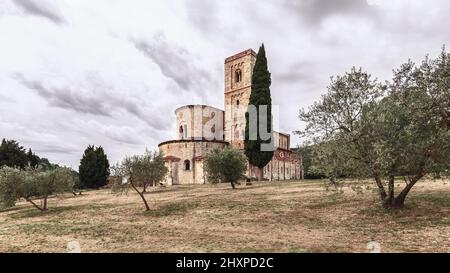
pixel 111 72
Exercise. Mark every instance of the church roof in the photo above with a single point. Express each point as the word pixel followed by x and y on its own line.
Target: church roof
pixel 198 105
pixel 171 158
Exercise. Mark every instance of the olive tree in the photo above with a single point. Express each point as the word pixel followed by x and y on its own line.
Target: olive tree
pixel 328 159
pixel 139 172
pixel 342 139
pixel 384 131
pixel 33 185
pixel 225 165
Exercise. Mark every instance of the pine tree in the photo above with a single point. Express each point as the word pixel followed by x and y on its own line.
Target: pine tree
pixel 33 159
pixel 87 167
pixel 12 154
pixel 94 168
pixel 102 168
pixel 259 96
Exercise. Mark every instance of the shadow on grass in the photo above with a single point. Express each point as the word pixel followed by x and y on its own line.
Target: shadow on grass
pixel 420 211
pixel 152 190
pixel 442 222
pixel 436 199
pixel 29 212
pixel 172 209
pixel 15 208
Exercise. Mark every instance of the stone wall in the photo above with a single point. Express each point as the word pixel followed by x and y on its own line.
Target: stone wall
pixel 282 140
pixel 283 166
pixel 180 153
pixel 199 121
pixel 177 154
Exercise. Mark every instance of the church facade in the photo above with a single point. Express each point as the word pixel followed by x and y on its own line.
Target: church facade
pixel 201 128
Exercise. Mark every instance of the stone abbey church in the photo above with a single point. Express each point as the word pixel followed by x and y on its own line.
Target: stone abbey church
pixel 201 128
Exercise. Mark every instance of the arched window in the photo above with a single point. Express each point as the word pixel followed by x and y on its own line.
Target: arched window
pixel 187 165
pixel 181 131
pixel 238 75
pixel 237 102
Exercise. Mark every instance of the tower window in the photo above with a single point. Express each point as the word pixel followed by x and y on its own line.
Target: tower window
pixel 238 75
pixel 187 165
pixel 237 102
pixel 181 132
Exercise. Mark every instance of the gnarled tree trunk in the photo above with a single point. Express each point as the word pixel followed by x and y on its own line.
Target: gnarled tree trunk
pixel 398 202
pixel 44 208
pixel 380 186
pixel 141 194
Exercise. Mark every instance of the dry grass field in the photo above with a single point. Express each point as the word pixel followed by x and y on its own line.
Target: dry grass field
pixel 265 217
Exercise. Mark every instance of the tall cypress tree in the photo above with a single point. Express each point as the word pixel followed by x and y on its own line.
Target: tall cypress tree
pixel 260 95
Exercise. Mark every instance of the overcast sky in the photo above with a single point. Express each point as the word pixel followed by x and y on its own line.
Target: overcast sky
pixel 111 72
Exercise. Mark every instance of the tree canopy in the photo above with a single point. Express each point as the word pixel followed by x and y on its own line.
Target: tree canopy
pixel 31 184
pixel 12 154
pixel 94 168
pixel 362 128
pixel 139 172
pixel 225 165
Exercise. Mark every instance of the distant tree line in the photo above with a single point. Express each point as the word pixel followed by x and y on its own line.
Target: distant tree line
pixel 12 154
pixel 24 175
pixel 34 185
pixel 305 152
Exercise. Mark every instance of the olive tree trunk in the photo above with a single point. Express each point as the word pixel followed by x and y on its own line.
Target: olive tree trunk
pixel 141 194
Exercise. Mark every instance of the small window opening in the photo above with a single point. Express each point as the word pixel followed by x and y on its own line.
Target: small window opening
pixel 238 75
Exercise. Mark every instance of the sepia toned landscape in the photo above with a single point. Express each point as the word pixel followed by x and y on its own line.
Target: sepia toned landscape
pixel 238 129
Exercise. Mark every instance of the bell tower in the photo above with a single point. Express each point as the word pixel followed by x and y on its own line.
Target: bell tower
pixel 238 82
